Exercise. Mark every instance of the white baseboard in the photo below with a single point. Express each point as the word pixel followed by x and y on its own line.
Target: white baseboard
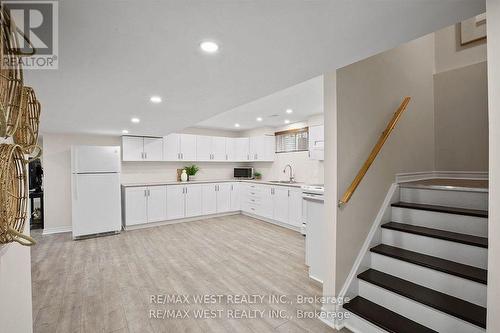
pixel 284 225
pixel 57 230
pixel 414 176
pixel 188 219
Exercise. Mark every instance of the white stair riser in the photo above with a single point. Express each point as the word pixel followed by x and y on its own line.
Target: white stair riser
pixel 415 311
pixel 477 226
pixel 358 325
pixel 472 200
pixel 470 291
pixel 458 252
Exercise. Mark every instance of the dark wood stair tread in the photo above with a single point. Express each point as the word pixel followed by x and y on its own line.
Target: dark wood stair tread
pixel 456 307
pixel 439 234
pixel 446 266
pixel 442 209
pixel 384 318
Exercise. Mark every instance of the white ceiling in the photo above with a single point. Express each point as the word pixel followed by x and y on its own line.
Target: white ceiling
pixel 304 99
pixel 113 55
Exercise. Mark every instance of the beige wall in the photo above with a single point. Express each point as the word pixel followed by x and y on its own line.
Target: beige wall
pixel 15 287
pixel 368 92
pixel 461 118
pixel 493 19
pixel 450 54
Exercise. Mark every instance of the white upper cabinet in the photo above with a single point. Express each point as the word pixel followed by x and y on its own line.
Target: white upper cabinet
pixel 317 142
pixel 192 148
pixel 262 148
pixel 179 147
pixel 239 149
pixel 153 149
pixel 219 149
pixel 172 147
pixel 138 148
pixel 188 147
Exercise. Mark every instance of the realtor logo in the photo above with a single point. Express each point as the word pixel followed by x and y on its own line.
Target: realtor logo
pixel 36 26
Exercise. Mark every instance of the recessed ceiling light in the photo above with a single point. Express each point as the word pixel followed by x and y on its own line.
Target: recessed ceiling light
pixel 124 131
pixel 155 99
pixel 135 120
pixel 236 125
pixel 287 121
pixel 289 111
pixel 259 119
pixel 209 47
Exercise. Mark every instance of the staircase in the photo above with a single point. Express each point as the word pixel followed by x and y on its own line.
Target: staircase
pixel 428 274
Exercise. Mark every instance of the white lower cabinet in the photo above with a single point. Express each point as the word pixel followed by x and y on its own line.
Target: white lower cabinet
pixel 193 200
pixel 145 204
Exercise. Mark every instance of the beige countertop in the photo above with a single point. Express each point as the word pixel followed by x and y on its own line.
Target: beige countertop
pixel 212 181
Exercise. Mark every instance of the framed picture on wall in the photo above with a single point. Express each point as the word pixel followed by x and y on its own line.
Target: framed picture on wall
pixel 473 29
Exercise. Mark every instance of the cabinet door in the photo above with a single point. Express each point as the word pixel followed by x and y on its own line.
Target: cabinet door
pixel 153 149
pixel 280 204
pixel 175 202
pixel 241 149
pixel 266 206
pixel 268 148
pixel 209 199
pixel 316 142
pixel 171 147
pixel 135 205
pixel 235 197
pixel 223 197
pixel 132 148
pixel 255 145
pixel 231 149
pixel 219 149
pixel 203 148
pixel 157 203
pixel 295 207
pixel 188 147
pixel 193 200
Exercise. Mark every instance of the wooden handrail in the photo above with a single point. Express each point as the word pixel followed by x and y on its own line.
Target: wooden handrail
pixel 376 149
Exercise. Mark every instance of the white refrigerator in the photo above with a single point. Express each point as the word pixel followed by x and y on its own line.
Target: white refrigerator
pixel 95 187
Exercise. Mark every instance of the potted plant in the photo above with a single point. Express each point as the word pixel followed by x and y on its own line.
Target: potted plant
pixel 191 171
pixel 257 175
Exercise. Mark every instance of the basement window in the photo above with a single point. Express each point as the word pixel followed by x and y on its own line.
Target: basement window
pixel 292 140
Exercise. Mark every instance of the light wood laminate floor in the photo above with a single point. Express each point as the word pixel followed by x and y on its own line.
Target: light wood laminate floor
pixel 105 284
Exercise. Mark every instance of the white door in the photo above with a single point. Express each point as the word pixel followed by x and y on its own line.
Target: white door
pixel 219 149
pixel 95 159
pixel 224 197
pixel 209 199
pixel 188 147
pixel 235 197
pixel 135 205
pixel 157 203
pixel 295 207
pixel 175 202
pixel 280 203
pixel 153 149
pixel 241 149
pixel 193 200
pixel 266 207
pixel 96 204
pixel 171 147
pixel 203 148
pixel 132 148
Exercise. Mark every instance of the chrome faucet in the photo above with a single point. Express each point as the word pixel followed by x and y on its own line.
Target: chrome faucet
pixel 292 179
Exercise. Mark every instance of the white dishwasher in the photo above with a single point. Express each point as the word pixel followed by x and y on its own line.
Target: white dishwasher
pixel 313 197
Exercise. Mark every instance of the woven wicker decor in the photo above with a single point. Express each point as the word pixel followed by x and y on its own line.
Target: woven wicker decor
pixel 11 77
pixel 13 195
pixel 26 134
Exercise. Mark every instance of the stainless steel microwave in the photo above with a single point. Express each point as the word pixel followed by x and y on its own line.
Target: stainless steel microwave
pixel 243 172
